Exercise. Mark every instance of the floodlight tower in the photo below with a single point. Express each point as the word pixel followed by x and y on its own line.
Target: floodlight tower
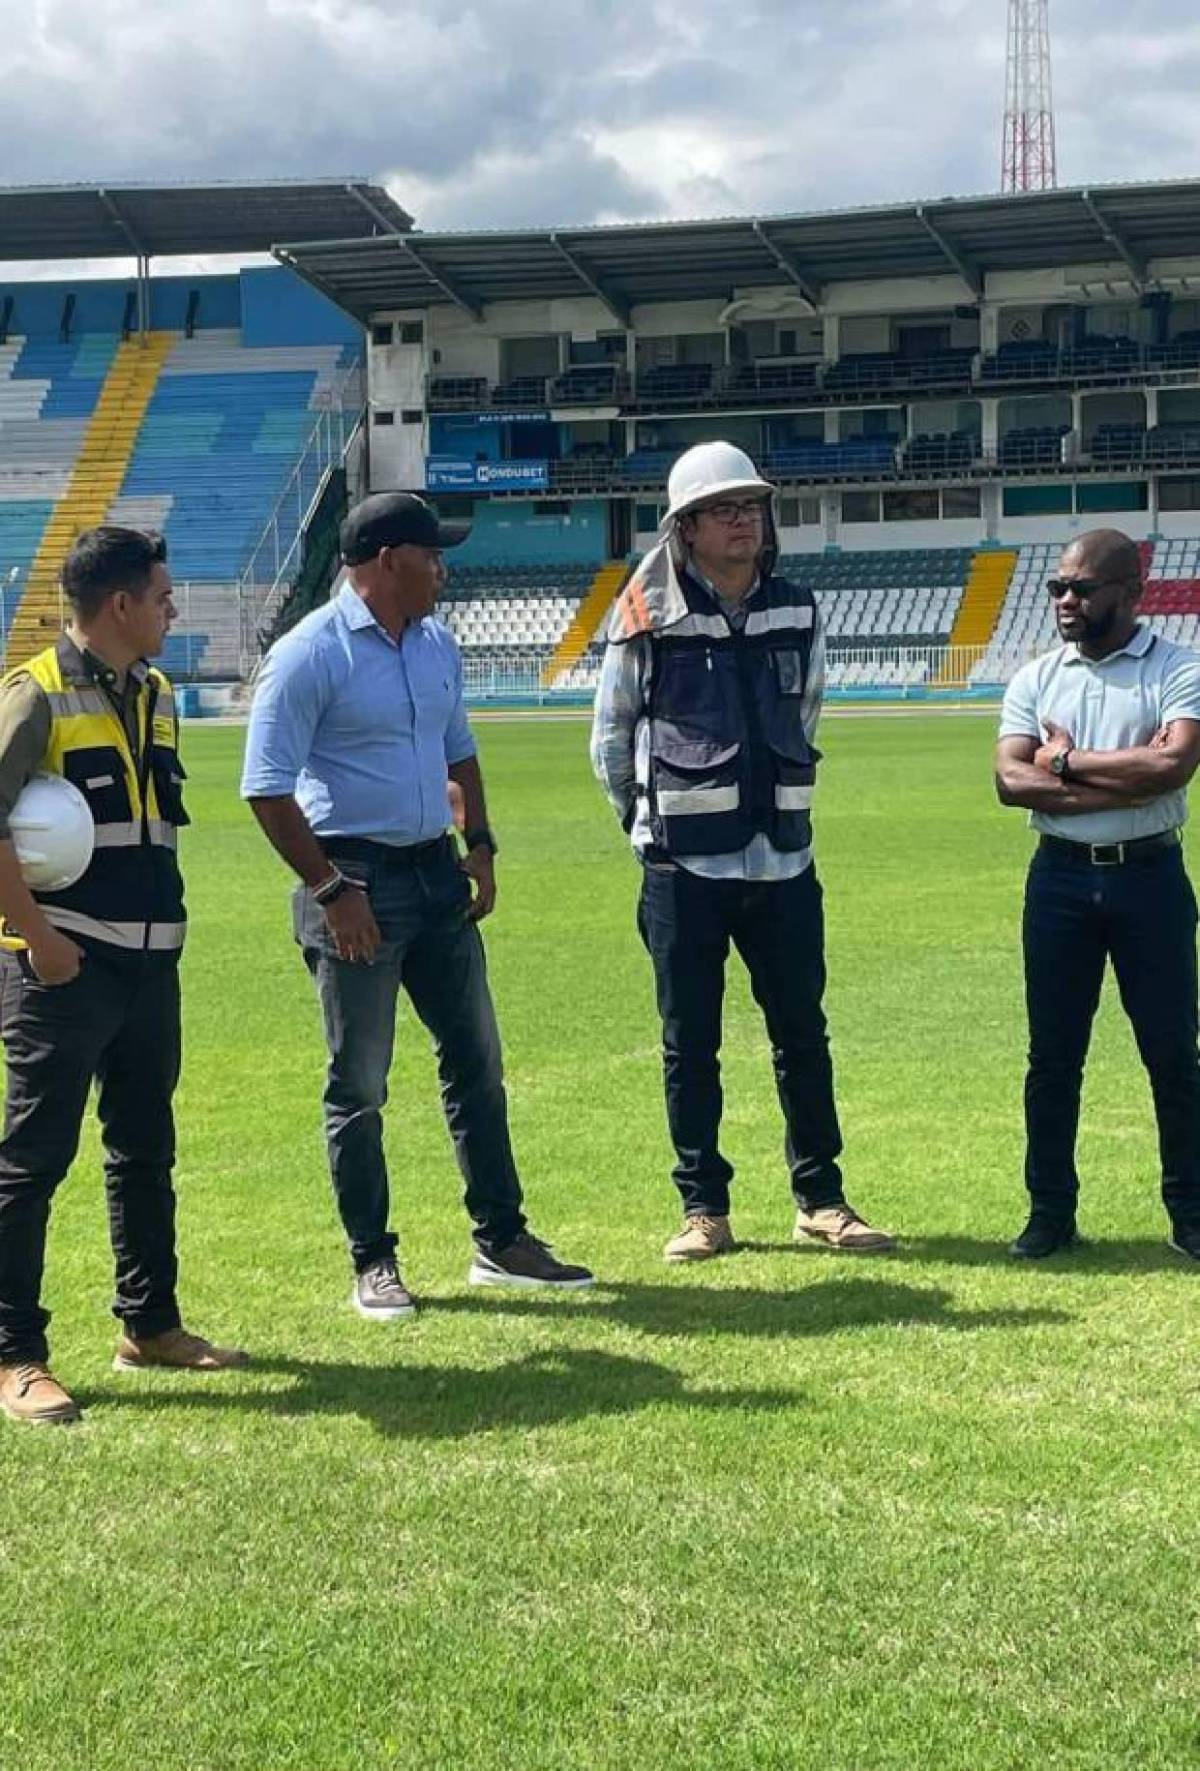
pixel 1028 158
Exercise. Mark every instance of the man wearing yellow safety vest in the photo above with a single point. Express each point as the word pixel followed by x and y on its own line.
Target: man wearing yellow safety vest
pixel 89 979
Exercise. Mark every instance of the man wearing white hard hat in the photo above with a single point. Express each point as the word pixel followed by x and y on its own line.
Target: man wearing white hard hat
pixel 703 739
pixel 91 901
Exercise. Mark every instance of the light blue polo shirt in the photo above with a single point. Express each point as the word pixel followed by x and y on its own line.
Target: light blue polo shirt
pixel 360 728
pixel 1113 703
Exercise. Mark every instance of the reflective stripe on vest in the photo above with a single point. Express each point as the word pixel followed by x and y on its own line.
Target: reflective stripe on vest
pixel 163 936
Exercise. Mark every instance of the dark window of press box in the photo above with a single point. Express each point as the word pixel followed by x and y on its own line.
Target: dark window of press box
pixel 799 513
pixel 645 518
pixel 412 332
pixel 412 415
pixel 384 415
pixel 910 507
pixel 1179 494
pixel 1037 501
pixel 960 501
pixel 381 334
pixel 1096 496
pixel 860 507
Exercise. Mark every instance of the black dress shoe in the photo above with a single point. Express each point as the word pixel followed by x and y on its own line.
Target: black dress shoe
pixel 1185 1239
pixel 1042 1236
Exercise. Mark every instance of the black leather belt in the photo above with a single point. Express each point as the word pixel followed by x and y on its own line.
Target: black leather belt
pixel 384 854
pixel 1111 854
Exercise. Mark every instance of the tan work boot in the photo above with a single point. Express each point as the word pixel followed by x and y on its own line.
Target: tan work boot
pixel 701 1239
pixel 29 1391
pixel 840 1227
pixel 176 1350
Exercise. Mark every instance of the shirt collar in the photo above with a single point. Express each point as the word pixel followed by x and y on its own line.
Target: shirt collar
pixel 356 614
pixel 1136 646
pixel 708 585
pixel 85 666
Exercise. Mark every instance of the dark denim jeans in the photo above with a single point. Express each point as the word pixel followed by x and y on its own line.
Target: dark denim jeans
pixel 117 1022
pixel 419 898
pixel 1142 915
pixel 687 924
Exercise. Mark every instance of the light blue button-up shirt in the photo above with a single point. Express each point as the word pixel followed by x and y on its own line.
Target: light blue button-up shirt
pixel 359 727
pixel 1112 703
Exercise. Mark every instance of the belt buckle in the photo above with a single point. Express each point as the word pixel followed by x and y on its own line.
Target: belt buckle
pixel 1108 854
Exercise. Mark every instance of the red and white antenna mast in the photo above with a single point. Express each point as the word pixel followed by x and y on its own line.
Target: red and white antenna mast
pixel 1028 161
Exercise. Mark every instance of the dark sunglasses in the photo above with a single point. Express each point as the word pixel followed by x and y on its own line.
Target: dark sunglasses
pixel 1083 587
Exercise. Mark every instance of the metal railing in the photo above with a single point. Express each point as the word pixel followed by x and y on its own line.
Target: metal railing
pixel 269 572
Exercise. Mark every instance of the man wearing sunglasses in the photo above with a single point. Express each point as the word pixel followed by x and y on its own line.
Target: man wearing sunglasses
pixel 1099 739
pixel 703 740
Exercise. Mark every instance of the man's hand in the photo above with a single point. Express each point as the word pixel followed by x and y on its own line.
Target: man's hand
pixel 480 866
pixel 352 924
pixel 1058 739
pixel 55 958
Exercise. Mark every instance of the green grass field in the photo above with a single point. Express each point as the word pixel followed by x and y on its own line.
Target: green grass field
pixel 785 1511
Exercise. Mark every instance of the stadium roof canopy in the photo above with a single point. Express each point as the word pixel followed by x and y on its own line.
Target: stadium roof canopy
pixel 161 221
pixel 674 261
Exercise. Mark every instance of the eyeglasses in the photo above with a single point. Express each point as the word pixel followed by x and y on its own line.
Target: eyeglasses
pixel 1082 587
pixel 729 511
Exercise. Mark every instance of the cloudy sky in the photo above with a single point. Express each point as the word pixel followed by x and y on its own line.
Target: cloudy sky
pixel 499 113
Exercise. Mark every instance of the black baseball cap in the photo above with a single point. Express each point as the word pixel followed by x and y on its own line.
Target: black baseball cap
pixel 394 519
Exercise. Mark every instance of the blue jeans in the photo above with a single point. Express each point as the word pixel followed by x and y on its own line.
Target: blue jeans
pixel 419 897
pixel 1142 915
pixel 688 924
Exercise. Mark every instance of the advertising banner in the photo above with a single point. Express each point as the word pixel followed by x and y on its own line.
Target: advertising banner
pixel 450 473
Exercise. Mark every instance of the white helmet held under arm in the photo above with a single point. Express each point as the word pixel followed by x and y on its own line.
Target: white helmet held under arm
pixel 52 831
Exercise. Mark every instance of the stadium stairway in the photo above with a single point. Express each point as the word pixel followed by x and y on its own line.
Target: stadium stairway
pixel 588 616
pixel 95 481
pixel 983 598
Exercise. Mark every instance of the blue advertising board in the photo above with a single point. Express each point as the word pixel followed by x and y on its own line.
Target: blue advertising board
pixel 448 473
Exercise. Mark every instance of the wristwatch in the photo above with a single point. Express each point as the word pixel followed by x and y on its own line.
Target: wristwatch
pixel 480 839
pixel 1060 764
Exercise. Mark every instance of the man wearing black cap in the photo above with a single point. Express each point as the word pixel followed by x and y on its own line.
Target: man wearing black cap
pixel 357 726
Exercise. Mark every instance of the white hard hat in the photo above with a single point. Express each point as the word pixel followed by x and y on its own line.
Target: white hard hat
pixel 710 470
pixel 53 833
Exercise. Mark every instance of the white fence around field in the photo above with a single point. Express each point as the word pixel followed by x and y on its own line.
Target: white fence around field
pixel 514 675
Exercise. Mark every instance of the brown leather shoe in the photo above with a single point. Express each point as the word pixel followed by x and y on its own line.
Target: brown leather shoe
pixel 701 1239
pixel 176 1350
pixel 840 1227
pixel 30 1392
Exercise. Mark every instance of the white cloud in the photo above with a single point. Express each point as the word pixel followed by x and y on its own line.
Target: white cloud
pixel 523 112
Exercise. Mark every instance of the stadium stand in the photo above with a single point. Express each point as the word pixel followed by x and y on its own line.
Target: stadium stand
pixel 1025 625
pixel 194 436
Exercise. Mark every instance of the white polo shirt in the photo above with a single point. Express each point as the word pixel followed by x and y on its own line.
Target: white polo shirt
pixel 1112 703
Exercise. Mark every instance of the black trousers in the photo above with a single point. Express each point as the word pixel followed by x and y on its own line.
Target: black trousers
pixel 1142 916
pixel 688 924
pixel 116 1023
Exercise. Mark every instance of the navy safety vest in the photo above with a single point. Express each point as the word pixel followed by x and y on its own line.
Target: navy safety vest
pixel 131 895
pixel 728 756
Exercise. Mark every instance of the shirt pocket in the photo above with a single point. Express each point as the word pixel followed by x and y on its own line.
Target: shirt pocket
pixel 99 773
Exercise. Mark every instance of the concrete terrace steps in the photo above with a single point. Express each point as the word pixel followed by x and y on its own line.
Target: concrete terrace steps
pixel 100 467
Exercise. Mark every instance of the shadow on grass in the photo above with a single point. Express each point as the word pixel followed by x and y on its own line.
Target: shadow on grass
pixel 552 1385
pixel 1133 1254
pixel 699 1311
pixel 450 1402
